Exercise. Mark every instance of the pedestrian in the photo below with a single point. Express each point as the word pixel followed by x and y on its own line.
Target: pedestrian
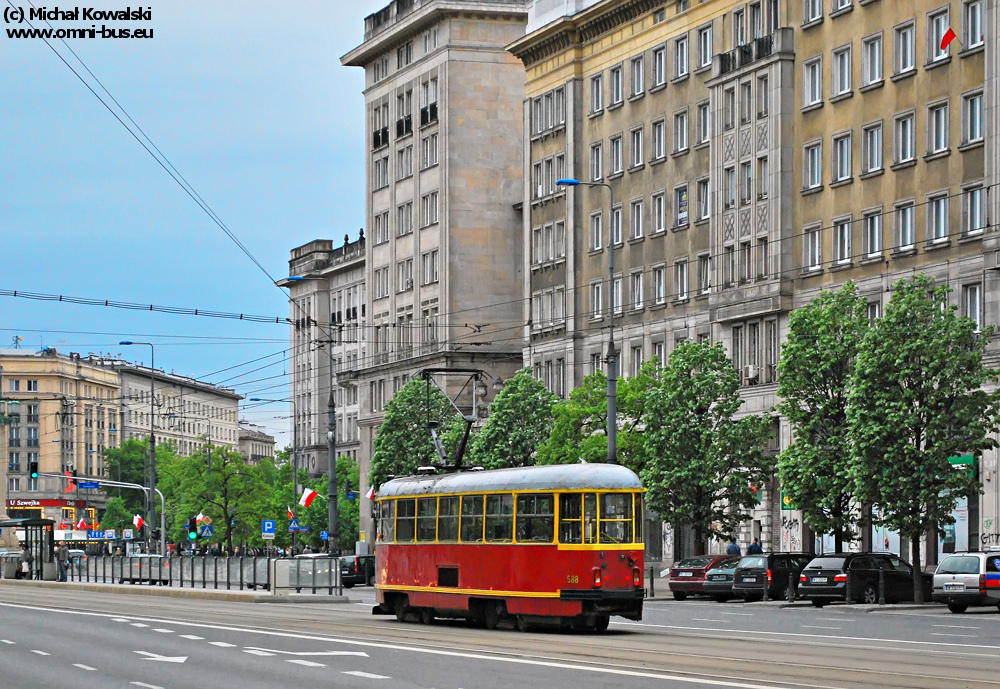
pixel 733 548
pixel 755 548
pixel 62 560
pixel 24 561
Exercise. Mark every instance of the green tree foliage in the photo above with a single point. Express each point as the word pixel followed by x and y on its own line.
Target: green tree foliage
pixel 917 400
pixel 702 463
pixel 520 421
pixel 403 441
pixel 128 463
pixel 817 364
pixel 116 515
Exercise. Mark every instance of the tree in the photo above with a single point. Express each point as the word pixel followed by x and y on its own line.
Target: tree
pixel 520 421
pixel 817 365
pixel 702 463
pixel 116 515
pixel 404 441
pixel 128 463
pixel 916 400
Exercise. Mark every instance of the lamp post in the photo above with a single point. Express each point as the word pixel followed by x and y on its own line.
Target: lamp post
pixel 150 500
pixel 295 462
pixel 612 355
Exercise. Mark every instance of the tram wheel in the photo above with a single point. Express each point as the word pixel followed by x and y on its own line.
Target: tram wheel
pixel 601 623
pixel 426 616
pixel 401 608
pixel 493 614
pixel 522 623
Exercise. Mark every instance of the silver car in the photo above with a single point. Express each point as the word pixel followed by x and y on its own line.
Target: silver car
pixel 968 579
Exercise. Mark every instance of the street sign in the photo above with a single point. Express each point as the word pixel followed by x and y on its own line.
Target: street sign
pixel 324 535
pixel 351 495
pixel 207 530
pixel 88 484
pixel 293 525
pixel 268 526
pixel 109 534
pixel 206 520
pixel 127 534
pixel 267 536
pixel 303 528
pixel 95 535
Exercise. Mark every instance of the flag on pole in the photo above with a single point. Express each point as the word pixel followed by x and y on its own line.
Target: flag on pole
pixel 199 519
pixel 308 495
pixel 290 514
pixel 948 37
pixel 81 525
pixel 138 522
pixel 371 493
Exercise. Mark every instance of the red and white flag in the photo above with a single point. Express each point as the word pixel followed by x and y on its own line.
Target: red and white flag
pixel 948 37
pixel 81 525
pixel 371 493
pixel 308 495
pixel 138 521
pixel 290 514
pixel 199 519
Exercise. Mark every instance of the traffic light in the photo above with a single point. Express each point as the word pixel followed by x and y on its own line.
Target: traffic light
pixel 347 487
pixel 33 469
pixel 192 528
pixel 155 534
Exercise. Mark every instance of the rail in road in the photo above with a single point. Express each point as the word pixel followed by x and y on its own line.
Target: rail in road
pixel 658 652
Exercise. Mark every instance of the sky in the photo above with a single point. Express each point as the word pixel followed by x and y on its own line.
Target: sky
pixel 249 102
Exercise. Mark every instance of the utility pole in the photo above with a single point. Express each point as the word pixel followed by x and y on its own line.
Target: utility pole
pixel 331 488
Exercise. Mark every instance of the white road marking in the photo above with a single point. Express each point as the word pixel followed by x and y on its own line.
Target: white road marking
pixel 362 654
pixel 164 631
pixel 7 641
pixel 955 626
pixel 703 619
pixel 967 636
pixel 165 659
pixel 831 619
pixel 366 675
pixel 41 653
pixel 816 626
pixel 222 644
pixel 139 624
pixel 307 663
pixel 741 614
pixel 192 637
pixel 119 619
pixel 84 667
pixel 255 652
pixel 147 686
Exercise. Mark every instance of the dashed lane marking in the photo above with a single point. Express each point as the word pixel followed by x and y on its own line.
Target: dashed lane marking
pixel 307 663
pixel 741 614
pixel 366 675
pixel 84 667
pixel 955 626
pixel 139 624
pixel 255 652
pixel 816 626
pixel 7 641
pixel 273 651
pixel 41 653
pixel 965 636
pixel 146 686
pixel 192 637
pixel 222 644
pixel 164 631
pixel 118 619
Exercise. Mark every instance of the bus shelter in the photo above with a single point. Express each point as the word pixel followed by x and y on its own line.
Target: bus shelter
pixel 39 536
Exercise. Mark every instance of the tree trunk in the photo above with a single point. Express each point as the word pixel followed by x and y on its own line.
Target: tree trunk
pixel 838 540
pixel 918 580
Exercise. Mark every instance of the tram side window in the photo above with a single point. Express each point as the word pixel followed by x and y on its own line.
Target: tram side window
pixel 590 518
pixel 448 519
pixel 388 513
pixel 499 518
pixel 472 519
pixel 535 518
pixel 405 526
pixel 616 518
pixel 426 519
pixel 570 519
pixel 640 519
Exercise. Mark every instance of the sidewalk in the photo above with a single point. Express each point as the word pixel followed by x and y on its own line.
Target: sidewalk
pixel 177 592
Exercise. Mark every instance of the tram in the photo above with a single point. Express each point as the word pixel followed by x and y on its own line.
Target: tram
pixel 559 545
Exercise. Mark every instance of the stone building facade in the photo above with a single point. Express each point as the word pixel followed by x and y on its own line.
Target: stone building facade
pixel 255 443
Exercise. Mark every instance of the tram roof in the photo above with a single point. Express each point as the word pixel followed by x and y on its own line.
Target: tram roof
pixel 548 477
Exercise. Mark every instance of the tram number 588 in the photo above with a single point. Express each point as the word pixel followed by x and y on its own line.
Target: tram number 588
pixel 572 579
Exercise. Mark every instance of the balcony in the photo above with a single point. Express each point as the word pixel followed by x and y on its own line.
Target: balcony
pixel 743 55
pixel 404 126
pixel 428 114
pixel 380 138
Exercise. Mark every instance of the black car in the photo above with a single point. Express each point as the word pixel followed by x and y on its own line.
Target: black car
pixel 754 572
pixel 825 578
pixel 719 580
pixel 357 570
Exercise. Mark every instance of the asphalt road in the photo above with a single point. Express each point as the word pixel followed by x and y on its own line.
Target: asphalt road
pixel 51 638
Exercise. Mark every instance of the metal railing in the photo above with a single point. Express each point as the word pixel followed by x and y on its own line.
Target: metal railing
pixel 743 55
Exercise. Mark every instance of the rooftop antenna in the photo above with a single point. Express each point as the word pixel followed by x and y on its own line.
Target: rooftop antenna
pixel 17 340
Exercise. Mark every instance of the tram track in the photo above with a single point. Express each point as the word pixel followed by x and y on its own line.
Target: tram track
pixel 814 663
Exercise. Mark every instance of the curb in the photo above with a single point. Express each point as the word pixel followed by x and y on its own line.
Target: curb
pixel 171 592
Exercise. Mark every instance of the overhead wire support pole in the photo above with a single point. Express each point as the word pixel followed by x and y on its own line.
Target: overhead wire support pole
pixel 151 469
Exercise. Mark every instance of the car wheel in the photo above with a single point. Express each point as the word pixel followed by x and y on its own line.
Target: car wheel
pixel 720 598
pixel 348 586
pixel 782 593
pixel 601 623
pixel 819 603
pixel 371 579
pixel 869 595
pixel 680 595
pixel 957 608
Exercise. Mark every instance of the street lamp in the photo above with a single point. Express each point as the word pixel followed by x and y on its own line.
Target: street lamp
pixel 295 462
pixel 612 355
pixel 150 500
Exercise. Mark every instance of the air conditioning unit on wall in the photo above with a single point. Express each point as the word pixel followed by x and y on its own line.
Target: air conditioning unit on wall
pixel 751 373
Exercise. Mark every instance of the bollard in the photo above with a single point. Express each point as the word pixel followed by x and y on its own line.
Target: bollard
pixel 652 572
pixel 791 587
pixel 215 572
pixel 881 587
pixel 847 589
pixel 767 586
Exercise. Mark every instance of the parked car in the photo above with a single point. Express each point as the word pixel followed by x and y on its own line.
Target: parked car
pixel 719 580
pixel 145 567
pixel 754 572
pixel 78 560
pixel 687 577
pixel 965 579
pixel 824 579
pixel 356 570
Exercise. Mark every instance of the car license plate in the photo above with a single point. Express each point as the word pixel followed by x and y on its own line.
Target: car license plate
pixel 819 580
pixel 749 580
pixel 954 587
pixel 685 574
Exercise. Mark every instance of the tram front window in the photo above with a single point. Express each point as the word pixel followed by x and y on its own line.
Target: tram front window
pixel 388 514
pixel 616 518
pixel 472 519
pixel 535 518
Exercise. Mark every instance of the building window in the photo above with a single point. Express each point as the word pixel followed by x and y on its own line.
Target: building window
pixel 746 262
pixel 813 256
pixel 730 198
pixel 381 69
pixel 596 232
pixel 772 16
pixel 972 304
pixel 763 178
pixel 841 4
pixel 404 55
pixel 703 199
pixel 729 108
pixel 729 265
pixel 873 233
pixel 937 217
pixel 428 151
pixel 813 10
pixel 762 96
pixel 596 162
pixel 812 175
pixel 842 240
pixel 616 155
pixel 739 27
pixel 871 60
pixel 681 280
pixel 905 143
pixel 763 259
pixel 659 284
pixel 635 211
pixel 659 135
pixel 905 56
pixel 973 15
pixel 659 213
pixel 812 79
pixel 616 294
pixel 841 70
pixel 659 66
pixel 874 312
pixel 746 182
pixel 756 21
pixel 638 71
pixel 429 267
pixel 842 157
pixel 704 274
pixel 617 87
pixel 429 209
pixel 636 360
pixel 972 117
pixel 746 102
pixel 637 151
pixel 904 226
pixel 32 386
pixel 404 218
pixel 704 123
pixel 873 147
pixel 596 93
pixel 737 349
pixel 636 284
pixel 616 224
pixel 705 46
pixel 975 210
pixel 560 250
pixel 380 173
pixel 381 280
pixel 596 299
pixel 680 131
pixel 681 205
pixel 937 128
pixel 681 57
pixel 14 385
pixel 404 273
pixel 937 27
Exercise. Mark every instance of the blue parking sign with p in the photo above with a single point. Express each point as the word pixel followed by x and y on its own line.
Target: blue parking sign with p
pixel 268 526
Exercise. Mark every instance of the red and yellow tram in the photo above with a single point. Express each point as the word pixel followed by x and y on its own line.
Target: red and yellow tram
pixel 547 544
